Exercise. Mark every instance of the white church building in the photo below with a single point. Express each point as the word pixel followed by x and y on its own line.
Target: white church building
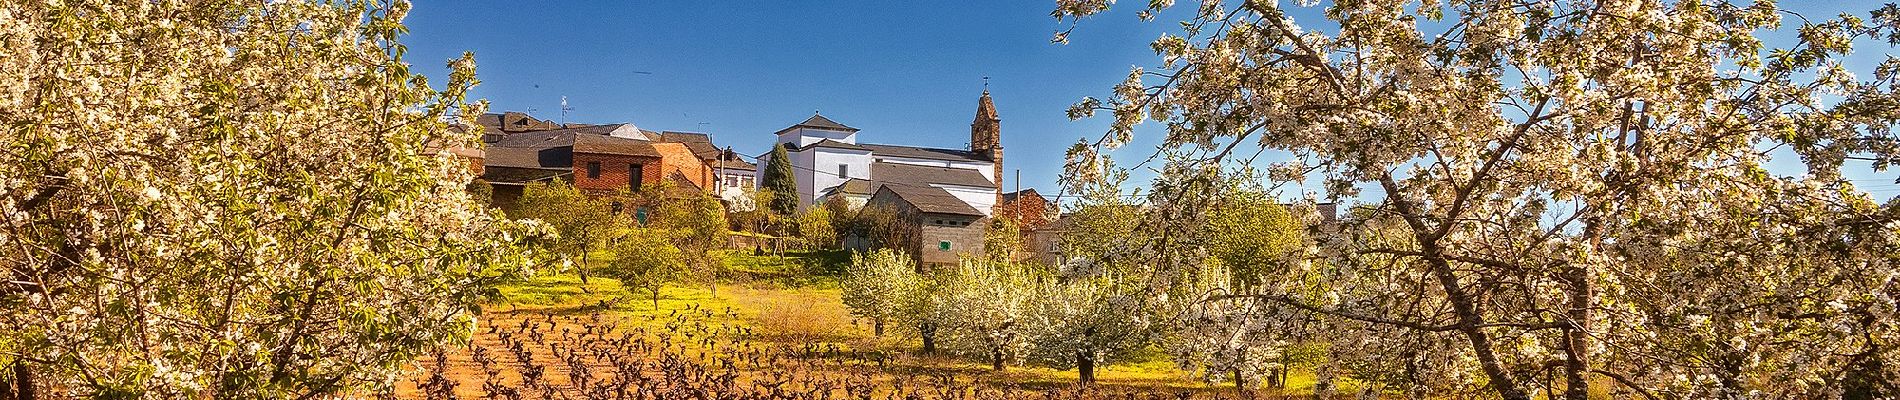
pixel 828 161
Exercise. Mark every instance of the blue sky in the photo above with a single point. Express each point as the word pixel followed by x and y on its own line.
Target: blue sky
pixel 904 72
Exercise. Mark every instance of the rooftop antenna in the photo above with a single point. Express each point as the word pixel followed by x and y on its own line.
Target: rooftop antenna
pixel 986 84
pixel 564 110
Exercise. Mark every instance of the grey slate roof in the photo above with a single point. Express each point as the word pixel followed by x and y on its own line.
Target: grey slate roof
pixel 553 138
pixel 684 137
pixel 926 153
pixel 907 174
pixel 585 139
pixel 519 176
pixel 603 144
pixel 927 199
pixel 528 157
pixel 819 122
pixel 831 144
pixel 512 122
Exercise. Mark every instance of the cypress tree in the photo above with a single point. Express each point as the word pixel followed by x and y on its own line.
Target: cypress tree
pixel 778 178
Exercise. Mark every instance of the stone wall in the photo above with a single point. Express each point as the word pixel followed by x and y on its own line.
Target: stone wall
pixel 964 241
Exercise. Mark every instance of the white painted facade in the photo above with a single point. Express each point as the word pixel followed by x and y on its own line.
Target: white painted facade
pixel 801 137
pixel 737 178
pixel 817 168
pixel 823 170
pixel 981 198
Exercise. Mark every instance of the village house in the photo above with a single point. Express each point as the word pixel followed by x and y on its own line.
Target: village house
pixel 521 150
pixel 940 227
pixel 944 197
pixel 1027 208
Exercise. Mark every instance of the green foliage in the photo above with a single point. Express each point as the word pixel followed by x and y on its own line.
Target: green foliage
pixel 1004 240
pixel 881 226
pixel 778 180
pixel 1253 236
pixel 583 222
pixel 695 224
pixel 816 228
pixel 1104 233
pixel 646 259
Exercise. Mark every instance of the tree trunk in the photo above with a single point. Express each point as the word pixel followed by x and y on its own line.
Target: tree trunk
pixel 1279 374
pixel 1463 304
pixel 877 328
pixel 929 334
pixel 713 274
pixel 1577 336
pixel 1470 318
pixel 656 299
pixel 1085 367
pixel 1862 380
pixel 582 269
pixel 22 381
pixel 996 360
pixel 1577 333
pixel 1239 385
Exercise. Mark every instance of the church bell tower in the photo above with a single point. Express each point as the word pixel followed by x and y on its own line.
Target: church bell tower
pixel 986 138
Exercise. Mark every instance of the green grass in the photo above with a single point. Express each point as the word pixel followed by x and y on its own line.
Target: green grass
pixel 821 269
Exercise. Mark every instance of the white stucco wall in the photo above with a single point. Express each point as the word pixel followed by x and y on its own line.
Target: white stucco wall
pixel 981 198
pixel 806 136
pixel 824 169
pixel 801 169
pixel 746 179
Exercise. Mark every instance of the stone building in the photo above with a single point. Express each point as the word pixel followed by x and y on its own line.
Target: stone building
pixel 940 228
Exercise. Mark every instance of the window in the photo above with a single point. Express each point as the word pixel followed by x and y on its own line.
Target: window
pixel 633 177
pixel 943 245
pixel 843 169
pixel 593 170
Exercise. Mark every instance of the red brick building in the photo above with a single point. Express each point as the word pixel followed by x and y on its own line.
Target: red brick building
pixel 1027 208
pixel 595 158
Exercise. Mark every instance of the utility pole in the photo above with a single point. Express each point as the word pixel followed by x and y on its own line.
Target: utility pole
pixel 721 159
